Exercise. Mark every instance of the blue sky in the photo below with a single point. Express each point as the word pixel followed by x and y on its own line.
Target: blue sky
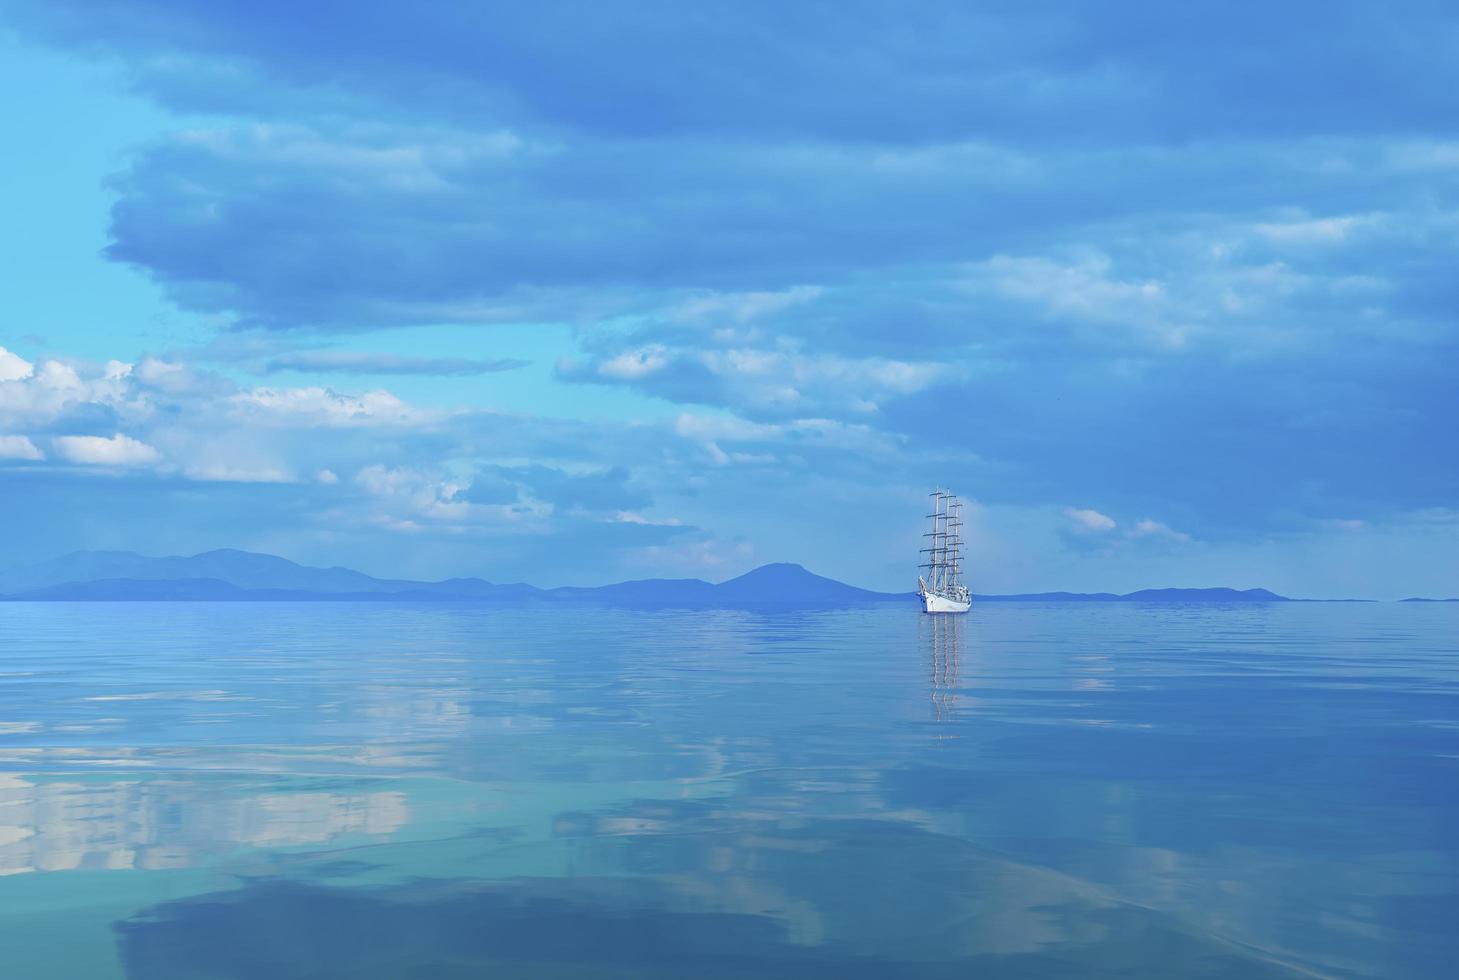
pixel 584 291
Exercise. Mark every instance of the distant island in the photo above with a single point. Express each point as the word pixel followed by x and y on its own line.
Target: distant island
pixel 229 575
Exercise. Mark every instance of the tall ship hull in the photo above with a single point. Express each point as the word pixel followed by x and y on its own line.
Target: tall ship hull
pixel 941 589
pixel 935 602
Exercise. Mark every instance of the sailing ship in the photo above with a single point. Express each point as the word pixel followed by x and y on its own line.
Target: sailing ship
pixel 942 590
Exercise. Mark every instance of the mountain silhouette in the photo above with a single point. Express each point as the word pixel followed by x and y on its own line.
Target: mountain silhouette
pixel 230 575
pixel 245 569
pixel 1144 595
pixel 784 579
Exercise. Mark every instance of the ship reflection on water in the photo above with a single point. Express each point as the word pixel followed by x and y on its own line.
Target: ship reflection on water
pixel 943 640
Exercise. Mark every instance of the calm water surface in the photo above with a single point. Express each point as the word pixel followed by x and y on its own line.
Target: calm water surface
pixel 365 791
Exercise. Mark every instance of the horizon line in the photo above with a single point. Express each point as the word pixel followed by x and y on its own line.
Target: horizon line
pixel 1050 594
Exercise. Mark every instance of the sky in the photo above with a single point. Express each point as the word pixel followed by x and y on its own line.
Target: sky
pixel 574 292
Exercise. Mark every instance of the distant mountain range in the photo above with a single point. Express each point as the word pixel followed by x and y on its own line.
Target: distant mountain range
pixel 229 575
pixel 241 576
pixel 1146 595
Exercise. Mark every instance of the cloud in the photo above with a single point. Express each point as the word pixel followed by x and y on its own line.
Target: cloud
pixel 472 490
pixel 1312 231
pixel 19 447
pixel 213 473
pixel 788 446
pixel 1084 292
pixel 313 239
pixel 173 378
pixel 117 450
pixel 1038 72
pixel 323 406
pixel 58 391
pixel 409 496
pixel 1152 258
pixel 199 425
pixel 1154 529
pixel 744 307
pixel 632 365
pixel 592 490
pixel 1085 532
pixel 763 382
pixel 362 362
pixel 13 367
pixel 376 183
pixel 279 224
pixel 551 520
pixel 1090 520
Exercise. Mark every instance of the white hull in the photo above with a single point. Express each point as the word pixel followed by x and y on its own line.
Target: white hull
pixel 934 603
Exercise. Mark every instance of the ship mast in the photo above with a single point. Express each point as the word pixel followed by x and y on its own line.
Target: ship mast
pixel 955 545
pixel 944 564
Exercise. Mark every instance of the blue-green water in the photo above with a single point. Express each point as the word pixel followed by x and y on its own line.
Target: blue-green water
pixel 364 791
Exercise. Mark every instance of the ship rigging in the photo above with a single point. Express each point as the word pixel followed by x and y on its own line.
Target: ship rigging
pixel 942 590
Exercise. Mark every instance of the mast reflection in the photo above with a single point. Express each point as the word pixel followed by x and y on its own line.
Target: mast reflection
pixel 944 641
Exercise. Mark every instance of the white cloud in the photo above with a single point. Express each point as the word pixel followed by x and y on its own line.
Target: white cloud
pixel 408 496
pixel 1087 291
pixel 1090 520
pixel 13 367
pixel 1312 231
pixel 190 423
pixel 1216 287
pixel 633 517
pixel 1154 529
pixel 215 473
pixel 59 377
pixel 776 379
pixel 18 447
pixel 633 365
pixel 704 428
pixel 313 406
pixel 170 377
pixel 119 450
pixel 792 370
pixel 35 397
pixel 798 435
pixel 740 307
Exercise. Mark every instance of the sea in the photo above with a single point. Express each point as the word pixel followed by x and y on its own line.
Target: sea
pixel 281 791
